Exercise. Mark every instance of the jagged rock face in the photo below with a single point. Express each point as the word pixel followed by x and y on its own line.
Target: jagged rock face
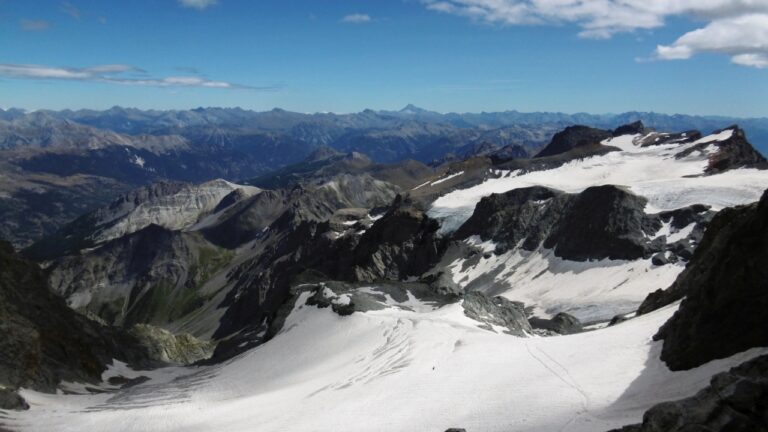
pixel 604 222
pixel 526 214
pixel 736 400
pixel 726 291
pixel 44 341
pixel 172 205
pixel 630 129
pixel 600 222
pixel 497 312
pixel 247 218
pixel 662 138
pixel 151 276
pixel 735 152
pixel 402 244
pixel 300 239
pixel 166 347
pixel 231 199
pixel 572 137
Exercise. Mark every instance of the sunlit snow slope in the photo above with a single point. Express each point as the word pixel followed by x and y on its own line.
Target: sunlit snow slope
pixel 654 172
pixel 396 370
pixel 596 290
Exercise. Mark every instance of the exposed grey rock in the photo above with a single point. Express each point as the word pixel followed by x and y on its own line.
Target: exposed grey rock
pixel 43 341
pixel 659 259
pixel 726 291
pixel 618 319
pixel 562 323
pixel 125 383
pixel 734 152
pixel 600 222
pixel 525 214
pixel 11 400
pixel 497 311
pixel 572 137
pixel 152 276
pixel 663 138
pixel 167 347
pixel 172 205
pixel 630 129
pixel 736 400
pixel 604 222
pixel 402 243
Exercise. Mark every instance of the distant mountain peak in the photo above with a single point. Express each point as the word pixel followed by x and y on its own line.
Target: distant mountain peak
pixel 412 109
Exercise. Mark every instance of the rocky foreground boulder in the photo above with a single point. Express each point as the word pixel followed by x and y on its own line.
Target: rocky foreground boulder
pixel 497 312
pixel 736 401
pixel 726 291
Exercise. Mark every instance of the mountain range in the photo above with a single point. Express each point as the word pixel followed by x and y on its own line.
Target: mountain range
pixel 58 165
pixel 417 271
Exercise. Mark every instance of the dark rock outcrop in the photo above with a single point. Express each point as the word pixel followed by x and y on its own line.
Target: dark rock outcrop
pixel 11 400
pixel 562 323
pixel 572 137
pixel 736 400
pixel 735 152
pixel 526 214
pixel 507 153
pixel 497 311
pixel 726 291
pixel 601 222
pixel 43 341
pixel 246 219
pixel 630 129
pixel 402 243
pixel 604 222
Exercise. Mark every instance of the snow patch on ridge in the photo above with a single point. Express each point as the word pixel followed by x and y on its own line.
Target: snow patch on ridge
pixel 589 290
pixel 653 172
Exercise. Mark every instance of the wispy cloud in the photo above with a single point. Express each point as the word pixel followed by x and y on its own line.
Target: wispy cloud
pixel 738 28
pixel 71 10
pixel 357 18
pixel 198 4
pixel 34 25
pixel 116 74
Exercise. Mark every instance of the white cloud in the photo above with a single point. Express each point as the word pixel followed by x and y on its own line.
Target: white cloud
pixel 744 38
pixel 114 74
pixel 198 4
pixel 357 18
pixel 754 60
pixel 738 28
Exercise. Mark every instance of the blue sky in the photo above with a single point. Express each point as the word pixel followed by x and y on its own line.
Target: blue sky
pixel 348 55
